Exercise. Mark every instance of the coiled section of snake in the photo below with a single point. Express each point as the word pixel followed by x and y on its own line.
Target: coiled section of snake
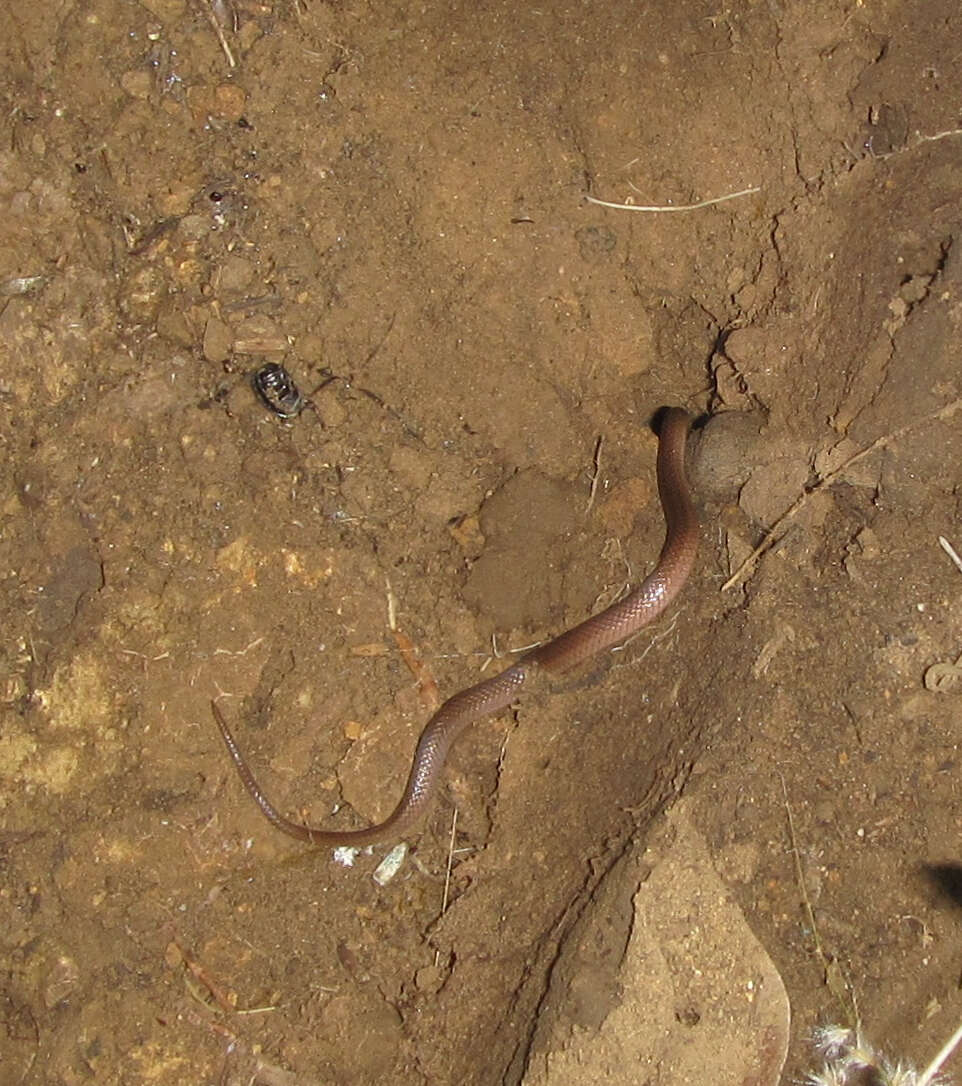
pixel 567 651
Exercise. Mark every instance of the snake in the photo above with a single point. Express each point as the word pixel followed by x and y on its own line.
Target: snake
pixel 568 650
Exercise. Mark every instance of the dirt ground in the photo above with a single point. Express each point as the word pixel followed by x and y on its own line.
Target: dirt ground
pixel 389 201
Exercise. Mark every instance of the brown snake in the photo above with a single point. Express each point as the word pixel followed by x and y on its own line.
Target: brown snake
pixel 568 650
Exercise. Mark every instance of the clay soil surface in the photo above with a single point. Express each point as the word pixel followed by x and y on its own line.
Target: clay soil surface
pixel 389 201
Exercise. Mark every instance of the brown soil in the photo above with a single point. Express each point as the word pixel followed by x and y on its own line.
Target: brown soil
pixel 389 201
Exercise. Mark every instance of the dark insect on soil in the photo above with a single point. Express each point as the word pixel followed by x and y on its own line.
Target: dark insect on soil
pixel 276 390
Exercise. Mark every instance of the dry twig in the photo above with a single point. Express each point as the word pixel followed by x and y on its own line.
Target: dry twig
pixel 673 207
pixel 771 536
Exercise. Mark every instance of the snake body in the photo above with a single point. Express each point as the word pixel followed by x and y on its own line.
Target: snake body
pixel 567 651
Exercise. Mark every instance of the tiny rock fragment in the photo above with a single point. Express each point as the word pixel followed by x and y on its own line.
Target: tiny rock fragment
pixel 933 1007
pixel 429 979
pixel 390 865
pixel 189 273
pixel 942 677
pixel 226 101
pixel 229 102
pixel 259 335
pixel 21 284
pixel 466 532
pixel 248 34
pixel 261 345
pixel 62 978
pixel 348 959
pixel 217 341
